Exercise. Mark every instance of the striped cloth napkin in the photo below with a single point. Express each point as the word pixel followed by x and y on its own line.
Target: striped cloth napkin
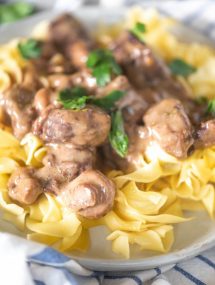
pixel 27 263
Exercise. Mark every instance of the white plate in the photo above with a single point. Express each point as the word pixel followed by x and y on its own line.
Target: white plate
pixel 191 238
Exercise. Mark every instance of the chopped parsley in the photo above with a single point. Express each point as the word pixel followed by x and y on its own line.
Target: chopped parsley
pixel 30 49
pixel 138 30
pixel 74 98
pixel 103 65
pixel 117 136
pixel 77 98
pixel 108 101
pixel 180 67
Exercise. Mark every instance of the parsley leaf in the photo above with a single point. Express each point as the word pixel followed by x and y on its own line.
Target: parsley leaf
pixel 30 49
pixel 103 65
pixel 117 136
pixel 180 67
pixel 108 101
pixel 211 107
pixel 75 98
pixel 138 30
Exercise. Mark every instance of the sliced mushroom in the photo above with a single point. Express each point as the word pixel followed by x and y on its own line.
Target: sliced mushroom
pixel 91 194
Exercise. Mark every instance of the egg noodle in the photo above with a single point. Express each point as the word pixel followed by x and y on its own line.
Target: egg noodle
pixel 150 200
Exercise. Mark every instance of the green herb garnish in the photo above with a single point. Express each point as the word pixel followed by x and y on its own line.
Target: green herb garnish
pixel 211 107
pixel 15 11
pixel 75 98
pixel 180 67
pixel 138 31
pixel 103 65
pixel 108 101
pixel 30 49
pixel 117 136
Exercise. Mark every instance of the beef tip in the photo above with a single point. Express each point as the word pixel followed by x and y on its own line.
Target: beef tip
pixel 23 186
pixel 71 38
pixel 63 163
pixel 89 126
pixel 65 29
pixel 170 127
pixel 91 194
pixel 205 135
pixel 174 89
pixel 17 103
pixel 132 104
pixel 138 61
pixel 150 75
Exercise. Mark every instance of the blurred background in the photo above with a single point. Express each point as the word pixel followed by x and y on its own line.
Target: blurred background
pixel 198 14
pixel 14 10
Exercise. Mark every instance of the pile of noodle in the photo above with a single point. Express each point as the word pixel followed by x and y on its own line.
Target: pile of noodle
pixel 150 200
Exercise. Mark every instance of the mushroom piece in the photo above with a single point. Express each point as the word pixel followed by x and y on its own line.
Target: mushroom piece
pixel 23 186
pixel 91 194
pixel 205 134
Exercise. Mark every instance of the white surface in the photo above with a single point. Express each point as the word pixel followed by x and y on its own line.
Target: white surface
pixel 191 237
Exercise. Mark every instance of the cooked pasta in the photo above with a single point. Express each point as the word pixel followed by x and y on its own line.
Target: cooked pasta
pixel 149 200
pixel 11 65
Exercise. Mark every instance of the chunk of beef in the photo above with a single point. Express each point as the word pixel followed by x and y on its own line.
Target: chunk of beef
pixel 132 104
pixel 151 76
pixel 140 64
pixel 65 29
pixel 174 89
pixel 205 135
pixel 17 103
pixel 23 186
pixel 70 36
pixel 62 164
pixel 89 126
pixel 170 127
pixel 91 194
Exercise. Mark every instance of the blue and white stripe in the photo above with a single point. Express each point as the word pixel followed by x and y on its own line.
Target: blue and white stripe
pixel 51 267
